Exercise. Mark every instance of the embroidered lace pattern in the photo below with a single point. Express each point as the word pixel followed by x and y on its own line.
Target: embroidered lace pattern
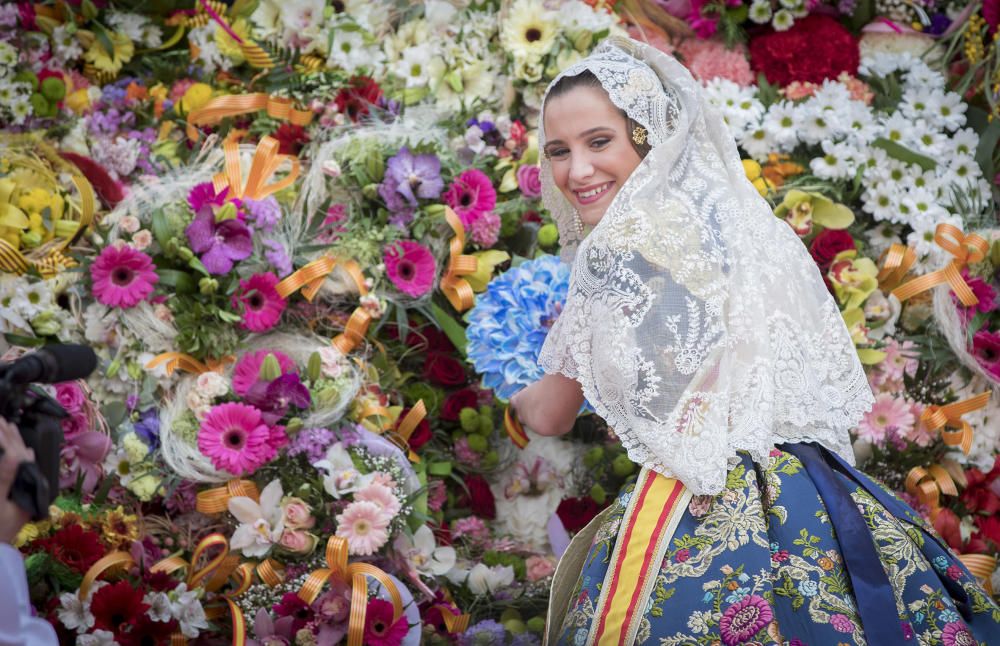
pixel 696 322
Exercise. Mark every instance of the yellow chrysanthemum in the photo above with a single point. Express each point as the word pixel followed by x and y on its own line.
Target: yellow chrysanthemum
pixel 195 97
pixel 227 44
pixel 530 30
pixel 106 61
pixel 119 528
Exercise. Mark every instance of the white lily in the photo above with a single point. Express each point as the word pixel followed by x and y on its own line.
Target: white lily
pixel 423 554
pixel 261 523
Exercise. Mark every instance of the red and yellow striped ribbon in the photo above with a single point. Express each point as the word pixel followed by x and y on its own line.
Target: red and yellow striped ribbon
pixel 270 572
pixel 266 161
pixel 514 429
pixel 354 575
pixel 982 567
pixel 400 432
pixel 114 560
pixel 179 361
pixel 950 417
pixel 222 107
pixel 928 484
pixel 308 278
pixel 966 249
pixel 214 501
pixel 455 288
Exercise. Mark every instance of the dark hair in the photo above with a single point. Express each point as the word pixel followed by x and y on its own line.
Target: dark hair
pixel 586 78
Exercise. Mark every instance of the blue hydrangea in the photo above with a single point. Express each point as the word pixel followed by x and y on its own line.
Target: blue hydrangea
pixel 510 321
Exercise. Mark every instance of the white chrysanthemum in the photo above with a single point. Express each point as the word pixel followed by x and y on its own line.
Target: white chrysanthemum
pixel 760 12
pixel 882 201
pixel 860 126
pixel 837 162
pixel 818 124
pixel 758 143
pixel 929 141
pixel 882 236
pixel 921 205
pixel 896 127
pixel 917 103
pixel 415 66
pixel 930 255
pixel 65 46
pixel 33 299
pixel 928 181
pixel 920 75
pixel 961 170
pixel 348 51
pixel 11 319
pixel 885 63
pixel 20 110
pixel 783 20
pixel 208 50
pixel 740 107
pixel 129 24
pixel 781 124
pixel 575 15
pixel 949 111
pixel 963 142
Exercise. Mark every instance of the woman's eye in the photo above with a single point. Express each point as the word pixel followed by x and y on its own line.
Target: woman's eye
pixel 600 142
pixel 558 153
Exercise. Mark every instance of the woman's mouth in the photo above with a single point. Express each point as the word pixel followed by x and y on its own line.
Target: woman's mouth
pixel 593 193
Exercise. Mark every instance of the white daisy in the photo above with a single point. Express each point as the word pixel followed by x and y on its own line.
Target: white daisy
pixel 929 142
pixel 895 127
pixel 917 103
pixel 950 111
pixel 780 122
pixel 922 204
pixel 882 236
pixel 130 24
pixel 760 11
pixel 758 144
pixel 415 65
pixel 920 75
pixel 783 20
pixel 817 124
pixel 836 162
pixel 882 202
pixel 964 142
pixel 348 50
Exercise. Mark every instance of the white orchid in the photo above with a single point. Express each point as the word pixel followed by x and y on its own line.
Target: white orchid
pixel 186 608
pixel 261 523
pixel 340 475
pixel 423 554
pixel 481 579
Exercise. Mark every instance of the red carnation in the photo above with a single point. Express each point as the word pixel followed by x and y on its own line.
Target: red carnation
pixel 828 244
pixel 354 101
pixel 456 401
pixel 444 370
pixel 814 49
pixel 480 498
pixel 115 605
pixel 575 513
pixel 74 546
pixel 290 138
pixel 979 496
pixel 947 525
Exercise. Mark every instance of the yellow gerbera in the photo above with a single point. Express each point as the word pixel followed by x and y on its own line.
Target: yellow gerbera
pixel 530 30
pixel 106 61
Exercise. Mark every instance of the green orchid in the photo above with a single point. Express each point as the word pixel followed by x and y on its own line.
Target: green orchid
pixel 857 327
pixel 853 278
pixel 802 210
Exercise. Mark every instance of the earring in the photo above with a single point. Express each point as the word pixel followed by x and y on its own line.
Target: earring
pixel 639 135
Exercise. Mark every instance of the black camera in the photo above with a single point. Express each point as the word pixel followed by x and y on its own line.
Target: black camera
pixel 38 416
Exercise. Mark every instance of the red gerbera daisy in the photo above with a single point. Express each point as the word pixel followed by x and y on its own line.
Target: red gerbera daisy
pixel 380 630
pixel 355 100
pixel 143 631
pixel 74 546
pixel 115 605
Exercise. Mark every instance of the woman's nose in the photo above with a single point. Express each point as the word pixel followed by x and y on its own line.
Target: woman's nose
pixel 580 168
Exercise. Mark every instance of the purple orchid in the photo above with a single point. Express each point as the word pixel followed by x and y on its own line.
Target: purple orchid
pixel 415 176
pixel 219 244
pixel 204 195
pixel 273 398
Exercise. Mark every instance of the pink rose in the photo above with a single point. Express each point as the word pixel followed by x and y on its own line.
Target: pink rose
pixel 297 541
pixel 70 396
pixel 74 425
pixel 298 515
pixel 528 180
pixel 538 568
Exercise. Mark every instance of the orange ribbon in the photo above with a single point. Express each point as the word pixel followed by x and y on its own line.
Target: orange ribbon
pixel 308 278
pixel 981 566
pixel 106 563
pixel 221 568
pixel 514 429
pixel 179 361
pixel 222 107
pixel 928 484
pixel 950 417
pixel 455 621
pixel 966 249
pixel 455 288
pixel 266 161
pixel 270 572
pixel 400 435
pixel 354 575
pixel 214 501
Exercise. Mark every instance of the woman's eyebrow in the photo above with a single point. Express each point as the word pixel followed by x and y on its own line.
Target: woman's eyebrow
pixel 585 133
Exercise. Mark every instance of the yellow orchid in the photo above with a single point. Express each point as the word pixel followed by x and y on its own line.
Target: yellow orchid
pixel 853 279
pixel 12 219
pixel 488 261
pixel 227 44
pixel 802 210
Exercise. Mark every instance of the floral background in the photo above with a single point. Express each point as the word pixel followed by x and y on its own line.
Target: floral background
pixel 306 240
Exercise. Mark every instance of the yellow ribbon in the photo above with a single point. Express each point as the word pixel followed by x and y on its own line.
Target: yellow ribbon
pixel 966 249
pixel 216 572
pixel 179 361
pixel 270 572
pixel 895 261
pixel 222 107
pixel 514 429
pixel 214 501
pixel 950 416
pixel 400 432
pixel 355 576
pixel 981 566
pixel 308 278
pixel 106 563
pixel 928 484
pixel 455 288
pixel 266 161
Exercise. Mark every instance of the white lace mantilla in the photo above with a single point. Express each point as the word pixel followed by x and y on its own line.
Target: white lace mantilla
pixel 696 321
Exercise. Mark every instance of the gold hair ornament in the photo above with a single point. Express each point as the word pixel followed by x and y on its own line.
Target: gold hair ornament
pixel 639 135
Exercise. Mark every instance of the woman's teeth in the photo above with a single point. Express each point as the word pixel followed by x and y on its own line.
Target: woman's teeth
pixel 596 191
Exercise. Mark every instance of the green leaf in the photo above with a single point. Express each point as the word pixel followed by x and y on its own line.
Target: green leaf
pixel 439 468
pixel 23 341
pixel 161 229
pixel 114 413
pixel 904 154
pixel 452 328
pixel 102 37
pixel 988 141
pixel 181 282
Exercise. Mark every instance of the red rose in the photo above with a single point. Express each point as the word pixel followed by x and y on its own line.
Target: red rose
pixel 355 101
pixel 431 339
pixel 480 498
pixel 828 244
pixel 456 401
pixel 575 513
pixel 444 370
pixel 421 434
pixel 988 530
pixel 816 48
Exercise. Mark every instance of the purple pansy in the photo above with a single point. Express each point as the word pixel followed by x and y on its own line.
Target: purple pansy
pixel 218 244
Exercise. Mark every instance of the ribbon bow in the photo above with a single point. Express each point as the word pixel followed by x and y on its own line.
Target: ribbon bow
pixel 966 249
pixel 950 416
pixel 266 161
pixel 455 288
pixel 928 484
pixel 981 566
pixel 214 501
pixel 212 577
pixel 234 105
pixel 400 432
pixel 355 576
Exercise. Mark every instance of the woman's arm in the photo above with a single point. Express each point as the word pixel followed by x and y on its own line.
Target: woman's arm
pixel 549 406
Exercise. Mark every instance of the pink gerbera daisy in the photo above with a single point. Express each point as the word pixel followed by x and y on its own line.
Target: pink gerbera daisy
pixel 380 629
pixel 235 438
pixel 471 195
pixel 247 370
pixel 123 276
pixel 986 348
pixel 261 303
pixel 381 495
pixel 365 526
pixel 888 413
pixel 410 267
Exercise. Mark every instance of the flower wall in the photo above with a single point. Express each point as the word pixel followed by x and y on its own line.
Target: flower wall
pixel 306 240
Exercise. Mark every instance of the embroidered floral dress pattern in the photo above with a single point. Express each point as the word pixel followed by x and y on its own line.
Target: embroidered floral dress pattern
pixel 761 564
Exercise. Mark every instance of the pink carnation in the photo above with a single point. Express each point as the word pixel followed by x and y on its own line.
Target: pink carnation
pixel 485 230
pixel 710 59
pixel 260 302
pixel 410 266
pixel 236 439
pixel 123 276
pixel 471 195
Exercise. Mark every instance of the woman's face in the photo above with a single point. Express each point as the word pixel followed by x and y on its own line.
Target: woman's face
pixel 590 151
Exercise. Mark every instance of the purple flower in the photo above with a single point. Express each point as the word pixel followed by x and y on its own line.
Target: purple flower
pixel 415 176
pixel 311 442
pixel 956 634
pixel 219 244
pixel 842 623
pixel 485 632
pixel 204 194
pixel 148 428
pixel 278 257
pixel 263 213
pixel 744 619
pixel 274 398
